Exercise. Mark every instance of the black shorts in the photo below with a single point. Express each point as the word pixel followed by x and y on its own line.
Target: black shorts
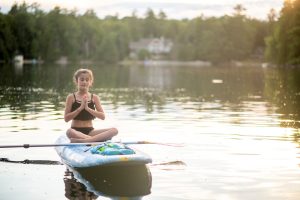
pixel 85 130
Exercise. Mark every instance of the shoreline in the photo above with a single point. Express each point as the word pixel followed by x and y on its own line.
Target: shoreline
pixel 166 63
pixel 196 63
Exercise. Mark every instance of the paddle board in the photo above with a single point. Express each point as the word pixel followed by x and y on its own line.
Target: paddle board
pixel 82 157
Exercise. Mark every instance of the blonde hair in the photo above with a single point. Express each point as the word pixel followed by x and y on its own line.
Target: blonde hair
pixel 83 71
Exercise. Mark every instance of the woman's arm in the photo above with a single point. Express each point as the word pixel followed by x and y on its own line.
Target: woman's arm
pixel 68 114
pixel 99 113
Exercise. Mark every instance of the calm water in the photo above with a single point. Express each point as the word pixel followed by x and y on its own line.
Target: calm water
pixel 239 127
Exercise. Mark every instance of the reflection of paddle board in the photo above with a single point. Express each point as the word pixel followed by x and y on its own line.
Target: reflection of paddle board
pixel 115 181
pixel 75 189
pixel 82 157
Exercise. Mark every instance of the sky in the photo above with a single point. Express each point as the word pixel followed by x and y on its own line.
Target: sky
pixel 174 9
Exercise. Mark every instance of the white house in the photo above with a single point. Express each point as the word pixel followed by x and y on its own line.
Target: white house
pixel 152 45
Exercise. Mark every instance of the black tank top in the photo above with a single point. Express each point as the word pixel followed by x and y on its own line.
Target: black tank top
pixel 83 115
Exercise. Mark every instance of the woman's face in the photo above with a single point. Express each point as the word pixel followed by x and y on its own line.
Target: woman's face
pixel 84 81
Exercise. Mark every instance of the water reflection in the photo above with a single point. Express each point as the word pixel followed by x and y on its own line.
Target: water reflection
pixel 196 83
pixel 43 88
pixel 282 87
pixel 76 190
pixel 132 182
pixel 18 67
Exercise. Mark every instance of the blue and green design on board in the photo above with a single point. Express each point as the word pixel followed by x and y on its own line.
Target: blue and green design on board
pixel 111 148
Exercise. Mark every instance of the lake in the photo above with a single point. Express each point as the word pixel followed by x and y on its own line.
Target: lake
pixel 239 127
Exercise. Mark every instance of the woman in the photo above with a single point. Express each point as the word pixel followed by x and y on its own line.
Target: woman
pixel 82 108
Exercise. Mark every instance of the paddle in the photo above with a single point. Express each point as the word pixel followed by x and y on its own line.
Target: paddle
pixel 86 144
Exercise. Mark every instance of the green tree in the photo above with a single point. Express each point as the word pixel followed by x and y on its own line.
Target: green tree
pixel 150 25
pixel 23 29
pixel 283 45
pixel 109 53
pixel 7 40
pixel 61 34
pixel 90 36
pixel 239 10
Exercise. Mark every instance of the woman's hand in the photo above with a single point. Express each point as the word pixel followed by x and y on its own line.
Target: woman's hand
pixel 84 103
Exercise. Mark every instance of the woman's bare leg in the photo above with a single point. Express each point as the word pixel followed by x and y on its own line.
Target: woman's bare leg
pixel 98 131
pixel 97 136
pixel 72 133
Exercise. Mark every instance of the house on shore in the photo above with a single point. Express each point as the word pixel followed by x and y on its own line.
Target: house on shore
pixel 152 47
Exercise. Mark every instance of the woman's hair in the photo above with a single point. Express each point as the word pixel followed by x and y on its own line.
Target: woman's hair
pixel 83 71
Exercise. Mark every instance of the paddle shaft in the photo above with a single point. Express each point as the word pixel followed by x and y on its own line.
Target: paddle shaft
pixel 46 145
pixel 83 144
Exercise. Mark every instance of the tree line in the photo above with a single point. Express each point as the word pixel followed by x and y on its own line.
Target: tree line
pixel 283 44
pixel 28 30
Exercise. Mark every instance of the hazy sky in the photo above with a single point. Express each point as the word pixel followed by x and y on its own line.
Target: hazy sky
pixel 175 9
